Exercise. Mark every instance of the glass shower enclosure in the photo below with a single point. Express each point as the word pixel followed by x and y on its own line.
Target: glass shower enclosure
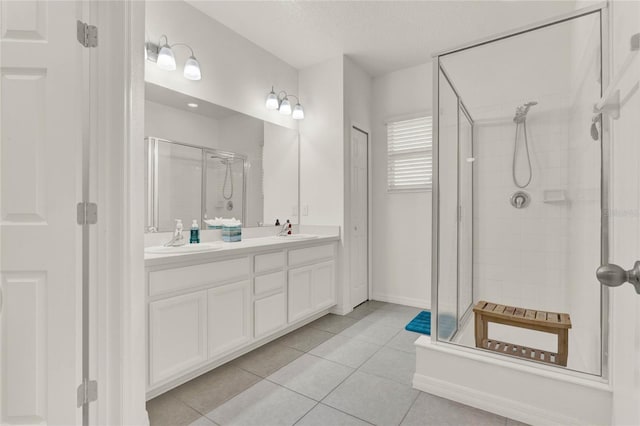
pixel 520 194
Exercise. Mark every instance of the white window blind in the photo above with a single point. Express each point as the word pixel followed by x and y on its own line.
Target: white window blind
pixel 409 154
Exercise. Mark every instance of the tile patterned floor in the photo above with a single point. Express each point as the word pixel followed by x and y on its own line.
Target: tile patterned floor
pixel 339 370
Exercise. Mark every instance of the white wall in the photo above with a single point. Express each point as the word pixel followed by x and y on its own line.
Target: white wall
pixel 236 73
pixel 321 143
pixel 401 221
pixel 357 112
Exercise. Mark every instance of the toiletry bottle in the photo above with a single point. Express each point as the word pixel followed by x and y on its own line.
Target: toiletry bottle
pixel 277 222
pixel 195 233
pixel 289 226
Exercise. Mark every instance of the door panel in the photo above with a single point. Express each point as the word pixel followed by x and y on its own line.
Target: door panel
pixel 229 317
pixel 300 293
pixel 358 261
pixel 323 285
pixel 270 314
pixel 177 333
pixel 40 185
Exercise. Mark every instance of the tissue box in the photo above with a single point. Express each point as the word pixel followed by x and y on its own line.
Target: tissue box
pixel 231 233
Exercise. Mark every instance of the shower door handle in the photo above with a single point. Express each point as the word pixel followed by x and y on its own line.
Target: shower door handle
pixel 614 275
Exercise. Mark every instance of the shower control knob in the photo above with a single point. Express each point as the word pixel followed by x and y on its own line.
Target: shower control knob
pixel 614 275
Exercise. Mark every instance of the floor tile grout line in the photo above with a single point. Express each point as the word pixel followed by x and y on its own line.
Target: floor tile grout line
pixel 410 407
pixel 344 412
pixel 354 370
pixel 304 415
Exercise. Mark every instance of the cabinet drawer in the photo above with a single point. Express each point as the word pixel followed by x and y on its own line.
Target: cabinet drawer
pixel 170 280
pixel 268 262
pixel 269 314
pixel 269 282
pixel 311 254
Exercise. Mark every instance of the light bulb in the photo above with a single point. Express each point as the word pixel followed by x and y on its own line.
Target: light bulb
pixel 298 112
pixel 192 69
pixel 166 60
pixel 272 101
pixel 285 107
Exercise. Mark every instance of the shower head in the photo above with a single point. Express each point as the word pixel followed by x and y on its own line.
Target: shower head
pixel 522 110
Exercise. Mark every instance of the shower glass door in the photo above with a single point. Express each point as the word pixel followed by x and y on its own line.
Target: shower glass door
pixel 518 198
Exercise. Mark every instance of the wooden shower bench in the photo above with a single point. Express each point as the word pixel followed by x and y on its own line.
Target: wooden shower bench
pixel 548 322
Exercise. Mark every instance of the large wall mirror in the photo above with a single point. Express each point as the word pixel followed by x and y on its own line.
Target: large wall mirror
pixel 205 161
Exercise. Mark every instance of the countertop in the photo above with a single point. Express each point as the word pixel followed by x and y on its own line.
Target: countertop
pixel 246 246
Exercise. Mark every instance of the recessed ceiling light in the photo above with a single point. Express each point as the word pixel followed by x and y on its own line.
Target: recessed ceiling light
pixel 192 105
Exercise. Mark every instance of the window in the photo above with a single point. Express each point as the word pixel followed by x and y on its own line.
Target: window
pixel 409 154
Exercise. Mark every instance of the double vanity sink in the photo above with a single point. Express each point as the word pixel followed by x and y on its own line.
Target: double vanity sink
pixel 211 302
pixel 219 245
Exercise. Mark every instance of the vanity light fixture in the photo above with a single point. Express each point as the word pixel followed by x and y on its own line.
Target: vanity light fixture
pixel 281 103
pixel 162 54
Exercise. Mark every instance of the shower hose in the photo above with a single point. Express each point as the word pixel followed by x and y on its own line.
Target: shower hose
pixel 228 178
pixel 515 154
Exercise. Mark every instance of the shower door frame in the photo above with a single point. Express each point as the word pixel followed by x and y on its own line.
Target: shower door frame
pixel 603 12
pixel 152 193
pixel 461 107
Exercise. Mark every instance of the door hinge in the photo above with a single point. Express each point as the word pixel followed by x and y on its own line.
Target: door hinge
pixel 87 213
pixel 87 392
pixel 87 34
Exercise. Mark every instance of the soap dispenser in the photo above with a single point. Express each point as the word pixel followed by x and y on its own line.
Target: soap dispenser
pixel 195 233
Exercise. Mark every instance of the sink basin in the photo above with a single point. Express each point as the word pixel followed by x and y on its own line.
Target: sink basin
pixel 297 237
pixel 187 248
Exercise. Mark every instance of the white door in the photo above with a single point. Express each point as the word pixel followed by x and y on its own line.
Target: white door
pixel 625 218
pixel 358 253
pixel 40 185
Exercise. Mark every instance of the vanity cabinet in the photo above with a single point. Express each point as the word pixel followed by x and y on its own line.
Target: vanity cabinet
pixel 203 312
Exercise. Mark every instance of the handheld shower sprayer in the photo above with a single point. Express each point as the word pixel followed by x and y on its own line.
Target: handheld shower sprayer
pixel 521 118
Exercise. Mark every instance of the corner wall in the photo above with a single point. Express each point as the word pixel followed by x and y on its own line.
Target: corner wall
pixel 401 234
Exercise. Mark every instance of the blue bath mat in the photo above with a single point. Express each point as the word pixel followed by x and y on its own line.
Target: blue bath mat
pixel 422 324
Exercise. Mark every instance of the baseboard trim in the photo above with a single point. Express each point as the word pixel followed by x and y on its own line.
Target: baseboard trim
pixel 407 301
pixel 504 407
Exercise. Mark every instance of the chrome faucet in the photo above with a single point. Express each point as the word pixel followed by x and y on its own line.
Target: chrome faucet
pixel 178 239
pixel 285 229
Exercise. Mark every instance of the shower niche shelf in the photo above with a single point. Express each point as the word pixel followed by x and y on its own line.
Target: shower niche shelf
pixel 554 196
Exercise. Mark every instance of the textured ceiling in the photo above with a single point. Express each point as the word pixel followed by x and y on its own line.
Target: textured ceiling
pixel 381 36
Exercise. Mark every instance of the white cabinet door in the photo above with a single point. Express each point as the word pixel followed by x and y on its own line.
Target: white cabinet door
pixel 311 289
pixel 177 332
pixel 229 317
pixel 269 314
pixel 300 293
pixel 323 285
